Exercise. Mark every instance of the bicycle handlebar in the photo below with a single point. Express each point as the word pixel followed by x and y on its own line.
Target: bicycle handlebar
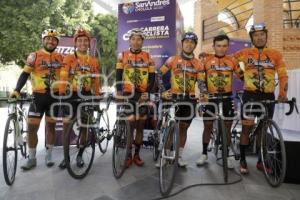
pixel 13 100
pixel 292 103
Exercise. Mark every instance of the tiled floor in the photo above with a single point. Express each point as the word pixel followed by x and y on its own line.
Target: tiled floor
pixel 140 183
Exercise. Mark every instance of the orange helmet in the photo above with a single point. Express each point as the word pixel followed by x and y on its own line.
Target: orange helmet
pixel 81 32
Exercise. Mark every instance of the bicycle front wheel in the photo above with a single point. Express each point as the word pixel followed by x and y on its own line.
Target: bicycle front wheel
pixel 121 146
pixel 223 134
pixel 104 132
pixel 79 149
pixel 273 153
pixel 10 150
pixel 169 158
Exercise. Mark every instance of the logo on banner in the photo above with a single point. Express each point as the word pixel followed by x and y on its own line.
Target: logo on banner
pixel 152 32
pixel 128 8
pixel 65 50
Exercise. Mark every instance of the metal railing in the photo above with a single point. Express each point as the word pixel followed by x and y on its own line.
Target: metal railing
pixel 238 19
pixel 292 11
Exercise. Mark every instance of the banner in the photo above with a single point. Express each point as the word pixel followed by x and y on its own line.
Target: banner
pixel 161 21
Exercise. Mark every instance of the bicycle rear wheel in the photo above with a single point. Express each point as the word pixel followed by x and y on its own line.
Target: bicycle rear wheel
pixel 79 149
pixel 10 150
pixel 121 146
pixel 273 153
pixel 169 158
pixel 223 135
pixel 104 132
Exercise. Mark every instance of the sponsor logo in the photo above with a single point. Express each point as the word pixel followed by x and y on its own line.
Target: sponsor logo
pixel 128 8
pixel 153 32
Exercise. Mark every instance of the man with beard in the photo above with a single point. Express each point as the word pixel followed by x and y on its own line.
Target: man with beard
pixel 43 67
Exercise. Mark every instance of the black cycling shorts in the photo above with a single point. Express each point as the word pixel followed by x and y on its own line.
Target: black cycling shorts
pixel 132 106
pixel 249 109
pixel 185 108
pixel 70 108
pixel 210 110
pixel 42 104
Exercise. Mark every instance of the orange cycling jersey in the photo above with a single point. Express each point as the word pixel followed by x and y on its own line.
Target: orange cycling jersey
pixel 260 68
pixel 82 72
pixel 219 73
pixel 136 68
pixel 184 74
pixel 44 69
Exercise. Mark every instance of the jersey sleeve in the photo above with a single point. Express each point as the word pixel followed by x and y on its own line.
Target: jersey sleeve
pixel 201 79
pixel 151 65
pixel 30 62
pixel 166 66
pixel 236 69
pixel 64 74
pixel 282 74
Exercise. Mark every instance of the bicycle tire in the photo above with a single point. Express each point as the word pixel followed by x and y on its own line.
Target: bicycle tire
pixel 122 138
pixel 166 185
pixel 78 172
pixel 9 175
pixel 277 152
pixel 103 144
pixel 223 134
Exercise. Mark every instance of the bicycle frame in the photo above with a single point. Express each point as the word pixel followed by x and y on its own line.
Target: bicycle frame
pixel 170 117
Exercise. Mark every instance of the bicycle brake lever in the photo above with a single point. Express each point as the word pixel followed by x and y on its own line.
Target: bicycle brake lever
pixel 292 104
pixel 295 104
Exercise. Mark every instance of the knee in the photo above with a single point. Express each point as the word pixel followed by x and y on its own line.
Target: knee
pixel 33 125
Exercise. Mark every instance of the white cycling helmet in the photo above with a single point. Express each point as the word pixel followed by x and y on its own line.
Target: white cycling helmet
pixel 50 33
pixel 137 31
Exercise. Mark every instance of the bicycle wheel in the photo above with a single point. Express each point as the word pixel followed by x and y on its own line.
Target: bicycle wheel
pixel 169 158
pixel 121 146
pixel 10 150
pixel 79 149
pixel 223 137
pixel 156 140
pixel 104 132
pixel 273 153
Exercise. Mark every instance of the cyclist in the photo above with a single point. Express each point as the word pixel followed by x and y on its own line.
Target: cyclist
pixel 219 69
pixel 186 70
pixel 80 78
pixel 260 66
pixel 43 67
pixel 135 76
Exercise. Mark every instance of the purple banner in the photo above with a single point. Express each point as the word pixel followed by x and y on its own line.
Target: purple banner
pixel 158 20
pixel 236 45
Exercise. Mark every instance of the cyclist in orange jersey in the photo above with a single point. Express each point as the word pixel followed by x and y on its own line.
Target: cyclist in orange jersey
pixel 43 67
pixel 135 76
pixel 220 69
pixel 79 78
pixel 260 66
pixel 186 73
